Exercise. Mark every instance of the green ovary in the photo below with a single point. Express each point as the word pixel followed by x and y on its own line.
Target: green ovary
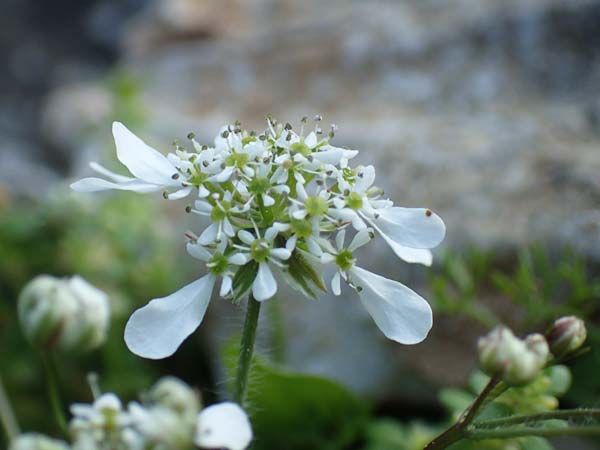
pixel 354 200
pixel 218 263
pixel 260 250
pixel 316 206
pixel 239 160
pixel 302 228
pixel 217 214
pixel 259 186
pixel 345 260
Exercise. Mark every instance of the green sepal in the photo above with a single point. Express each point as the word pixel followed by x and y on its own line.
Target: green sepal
pixel 305 274
pixel 243 279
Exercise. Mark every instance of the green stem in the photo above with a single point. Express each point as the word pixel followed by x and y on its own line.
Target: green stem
pixel 565 414
pixel 507 433
pixel 52 388
pixel 246 349
pixel 7 415
pixel 277 331
pixel 458 431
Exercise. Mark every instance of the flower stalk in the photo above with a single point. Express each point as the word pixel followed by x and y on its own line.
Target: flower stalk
pixel 246 349
pixel 52 388
pixel 7 415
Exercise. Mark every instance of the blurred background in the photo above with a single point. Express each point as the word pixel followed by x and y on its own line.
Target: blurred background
pixel 487 112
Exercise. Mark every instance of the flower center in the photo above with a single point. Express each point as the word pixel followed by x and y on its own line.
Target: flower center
pixel 302 228
pixel 354 200
pixel 345 260
pixel 259 186
pixel 302 148
pixel 239 160
pixel 260 250
pixel 316 206
pixel 217 264
pixel 219 213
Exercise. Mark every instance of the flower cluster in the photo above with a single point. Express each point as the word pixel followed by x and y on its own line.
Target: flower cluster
pixel 170 418
pixel 279 202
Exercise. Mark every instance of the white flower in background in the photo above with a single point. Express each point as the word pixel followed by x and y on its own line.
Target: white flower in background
pixel 224 425
pixel 273 200
pixel 400 313
pixel 68 314
pixel 33 441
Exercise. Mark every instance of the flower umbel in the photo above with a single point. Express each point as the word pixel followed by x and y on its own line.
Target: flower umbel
pixel 278 202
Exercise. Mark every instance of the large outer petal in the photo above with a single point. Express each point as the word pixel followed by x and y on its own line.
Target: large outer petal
pixel 411 227
pixel 264 286
pixel 93 184
pixel 399 312
pixel 410 255
pixel 224 425
pixel 142 160
pixel 156 330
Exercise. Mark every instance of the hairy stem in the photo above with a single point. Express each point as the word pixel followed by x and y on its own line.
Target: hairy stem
pixel 507 433
pixel 246 349
pixel 565 414
pixel 458 431
pixel 7 415
pixel 52 387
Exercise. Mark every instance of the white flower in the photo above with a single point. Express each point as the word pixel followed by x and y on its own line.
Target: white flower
pixel 152 171
pixel 260 249
pixel 157 330
pixel 400 313
pixel 224 425
pixel 34 441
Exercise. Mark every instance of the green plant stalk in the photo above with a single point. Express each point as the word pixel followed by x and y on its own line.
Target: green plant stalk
pixel 52 388
pixel 507 433
pixel 458 431
pixel 246 350
pixel 565 414
pixel 7 415
pixel 277 331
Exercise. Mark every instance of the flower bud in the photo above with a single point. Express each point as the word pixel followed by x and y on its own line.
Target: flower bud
pixel 496 349
pixel 67 314
pixel 33 441
pixel 175 395
pixel 566 335
pixel 525 365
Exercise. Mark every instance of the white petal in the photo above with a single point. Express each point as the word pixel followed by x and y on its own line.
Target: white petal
pixel 203 192
pixel 327 258
pixel 411 227
pixel 109 173
pixel 314 247
pixel 227 228
pixel 335 283
pixel 311 140
pixel 339 239
pixel 301 192
pixel 238 259
pixel 181 193
pixel 264 286
pixel 222 176
pixel 268 200
pixel 226 285
pixel 333 155
pixel 142 160
pixel 99 184
pixel 198 251
pixel 209 235
pixel 300 214
pixel 410 255
pixel 156 330
pixel 203 206
pixel 281 253
pixel 246 237
pixel 291 242
pixel 400 313
pixel 365 179
pixel 361 238
pixel 271 233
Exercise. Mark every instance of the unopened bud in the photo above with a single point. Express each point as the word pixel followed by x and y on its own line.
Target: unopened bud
pixel 174 394
pixel 566 335
pixel 496 349
pixel 525 366
pixel 33 441
pixel 66 314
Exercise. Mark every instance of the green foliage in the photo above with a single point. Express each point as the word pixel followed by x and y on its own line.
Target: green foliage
pixel 292 411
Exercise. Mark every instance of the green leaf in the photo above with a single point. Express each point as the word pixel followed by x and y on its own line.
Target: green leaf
pixel 304 275
pixel 292 411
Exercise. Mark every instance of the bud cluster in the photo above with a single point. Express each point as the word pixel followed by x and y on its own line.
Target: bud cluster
pixel 519 361
pixel 67 314
pixel 169 418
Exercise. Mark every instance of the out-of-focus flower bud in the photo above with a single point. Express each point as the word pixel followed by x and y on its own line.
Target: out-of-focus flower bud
pixel 224 425
pixel 566 335
pixel 32 441
pixel 527 364
pixel 497 348
pixel 67 314
pixel 177 396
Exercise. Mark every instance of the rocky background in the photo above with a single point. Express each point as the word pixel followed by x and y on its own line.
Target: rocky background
pixel 487 112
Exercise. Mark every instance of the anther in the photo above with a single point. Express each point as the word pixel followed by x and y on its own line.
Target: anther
pixel 188 209
pixel 191 136
pixel 175 176
pixel 318 117
pixel 225 134
pixel 428 213
pixel 165 195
